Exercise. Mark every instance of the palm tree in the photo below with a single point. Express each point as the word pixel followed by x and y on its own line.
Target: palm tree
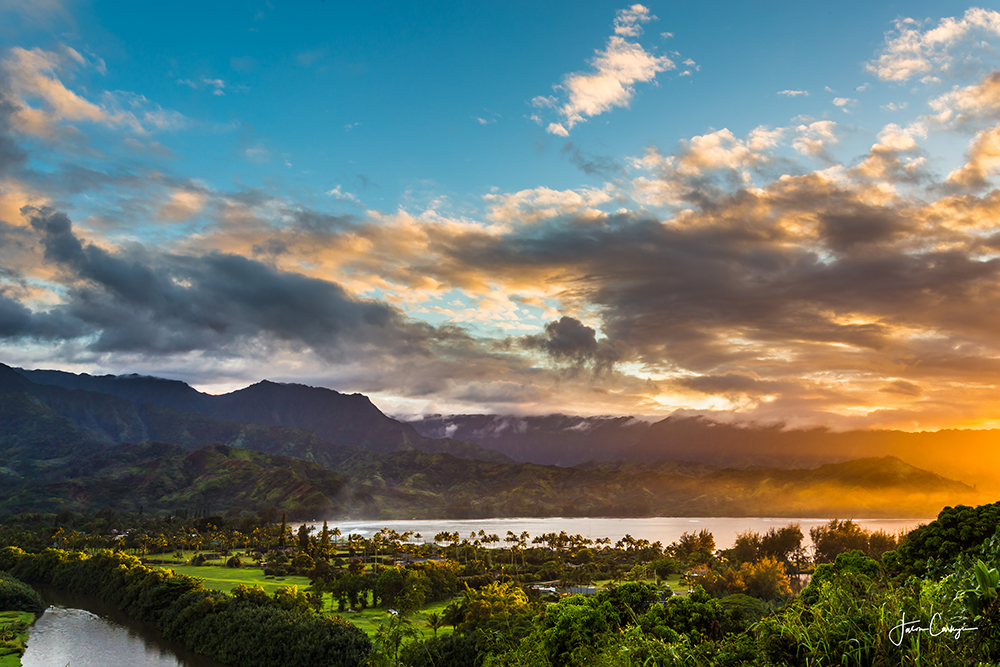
pixel 390 635
pixel 434 621
pixel 454 613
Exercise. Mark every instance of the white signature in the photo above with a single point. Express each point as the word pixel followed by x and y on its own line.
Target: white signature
pixel 935 629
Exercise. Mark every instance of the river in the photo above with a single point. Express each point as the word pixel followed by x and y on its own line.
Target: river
pixel 662 529
pixel 81 631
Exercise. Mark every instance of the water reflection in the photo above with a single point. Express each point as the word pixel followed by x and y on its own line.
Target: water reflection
pixel 664 529
pixel 83 632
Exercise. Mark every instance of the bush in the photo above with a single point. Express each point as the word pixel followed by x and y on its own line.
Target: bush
pixel 956 531
pixel 447 651
pixel 18 596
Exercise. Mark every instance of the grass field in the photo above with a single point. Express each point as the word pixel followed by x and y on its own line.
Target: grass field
pixel 10 650
pixel 218 577
pixel 222 578
pixel 369 619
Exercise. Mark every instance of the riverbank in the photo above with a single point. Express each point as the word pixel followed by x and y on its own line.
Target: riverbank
pixel 14 626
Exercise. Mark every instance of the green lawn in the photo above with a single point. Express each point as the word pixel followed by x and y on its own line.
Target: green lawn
pixel 10 650
pixel 222 578
pixel 369 619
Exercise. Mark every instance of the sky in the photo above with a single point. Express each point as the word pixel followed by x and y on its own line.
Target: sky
pixel 759 212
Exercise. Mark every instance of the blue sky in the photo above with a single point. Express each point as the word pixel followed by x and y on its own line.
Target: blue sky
pixel 776 211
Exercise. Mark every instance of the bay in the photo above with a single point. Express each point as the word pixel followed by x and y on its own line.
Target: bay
pixel 662 529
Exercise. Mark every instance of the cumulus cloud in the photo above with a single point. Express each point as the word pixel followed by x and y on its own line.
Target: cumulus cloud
pixel 968 105
pixel 611 83
pixel 694 171
pixel 531 206
pixel 568 339
pixel 983 159
pixel 952 47
pixel 814 138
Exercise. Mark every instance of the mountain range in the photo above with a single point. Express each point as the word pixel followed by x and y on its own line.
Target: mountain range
pixel 573 441
pixel 124 442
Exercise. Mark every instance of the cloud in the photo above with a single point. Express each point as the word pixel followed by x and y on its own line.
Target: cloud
pixel 568 339
pixel 218 86
pixel 532 206
pixel 844 103
pixel 983 159
pixel 726 275
pixel 35 75
pixel 703 166
pixel 814 138
pixel 953 47
pixel 592 165
pixel 969 105
pixel 611 84
pixel 136 300
pixel 338 193
pixel 243 63
pixel 311 56
pixel 182 204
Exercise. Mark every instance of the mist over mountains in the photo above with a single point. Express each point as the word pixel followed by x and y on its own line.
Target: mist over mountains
pixel 88 442
pixel 549 439
pixel 571 441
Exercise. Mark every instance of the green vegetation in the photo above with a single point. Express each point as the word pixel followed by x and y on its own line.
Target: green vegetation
pixel 19 605
pixel 387 600
pixel 13 634
pixel 221 578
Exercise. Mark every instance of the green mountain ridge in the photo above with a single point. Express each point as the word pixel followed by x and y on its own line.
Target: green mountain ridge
pixel 335 418
pixel 61 448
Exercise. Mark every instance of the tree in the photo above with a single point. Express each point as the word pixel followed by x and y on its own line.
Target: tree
pixel 284 529
pixel 434 621
pixel 784 544
pixel 304 543
pixel 747 547
pixel 390 634
pixel 454 614
pixel 695 547
pixel 324 542
pixel 837 537
pixel 498 607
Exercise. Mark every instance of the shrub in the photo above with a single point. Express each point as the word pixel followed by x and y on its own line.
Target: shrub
pixel 19 596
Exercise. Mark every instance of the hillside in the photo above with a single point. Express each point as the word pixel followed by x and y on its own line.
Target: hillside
pixel 163 477
pixel 334 418
pixel 89 450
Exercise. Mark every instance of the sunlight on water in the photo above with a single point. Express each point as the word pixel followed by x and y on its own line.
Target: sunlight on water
pixel 662 529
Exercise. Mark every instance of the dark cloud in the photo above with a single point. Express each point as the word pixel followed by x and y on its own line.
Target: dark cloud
pixel 12 155
pixel 17 321
pixel 733 287
pixel 568 339
pixel 847 229
pixel 161 303
pixel 729 383
pixel 592 165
